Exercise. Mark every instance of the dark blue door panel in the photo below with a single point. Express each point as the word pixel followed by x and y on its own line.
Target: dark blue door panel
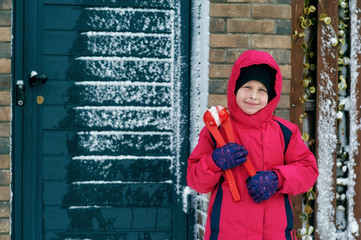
pixel 106 148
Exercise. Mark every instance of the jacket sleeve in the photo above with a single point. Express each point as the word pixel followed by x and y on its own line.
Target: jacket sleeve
pixel 202 173
pixel 300 171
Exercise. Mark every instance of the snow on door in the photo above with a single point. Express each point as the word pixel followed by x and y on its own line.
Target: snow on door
pixel 114 120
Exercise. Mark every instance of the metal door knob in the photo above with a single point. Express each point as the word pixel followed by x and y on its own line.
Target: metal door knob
pixel 36 79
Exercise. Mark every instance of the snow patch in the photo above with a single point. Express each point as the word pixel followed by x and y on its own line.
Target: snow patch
pixel 327 139
pixel 157 118
pixel 125 19
pixel 199 68
pixel 199 95
pixel 354 115
pixel 124 69
pixel 116 182
pixel 130 44
pixel 214 112
pixel 125 157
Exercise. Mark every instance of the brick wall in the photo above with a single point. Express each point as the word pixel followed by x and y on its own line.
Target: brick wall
pixel 239 25
pixel 5 99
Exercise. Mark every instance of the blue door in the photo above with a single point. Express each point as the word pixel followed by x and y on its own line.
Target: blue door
pixel 100 126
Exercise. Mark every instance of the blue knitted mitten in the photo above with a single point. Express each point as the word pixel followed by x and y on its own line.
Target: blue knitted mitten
pixel 262 185
pixel 229 156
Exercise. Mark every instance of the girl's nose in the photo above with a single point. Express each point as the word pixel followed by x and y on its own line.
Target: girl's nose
pixel 253 94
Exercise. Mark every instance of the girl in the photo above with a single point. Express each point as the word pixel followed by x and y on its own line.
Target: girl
pixel 274 146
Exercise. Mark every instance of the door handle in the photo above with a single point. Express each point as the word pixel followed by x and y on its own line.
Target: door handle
pixel 36 79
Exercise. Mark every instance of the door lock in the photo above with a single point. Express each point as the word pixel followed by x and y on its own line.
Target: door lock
pixel 20 92
pixel 35 79
pixel 39 100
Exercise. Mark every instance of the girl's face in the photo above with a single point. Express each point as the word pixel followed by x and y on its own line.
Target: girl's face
pixel 252 97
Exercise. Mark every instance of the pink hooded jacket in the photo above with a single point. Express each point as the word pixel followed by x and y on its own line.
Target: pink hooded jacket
pixel 264 136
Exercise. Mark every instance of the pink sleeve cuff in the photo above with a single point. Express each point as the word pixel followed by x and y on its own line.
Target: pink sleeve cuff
pixel 211 165
pixel 280 178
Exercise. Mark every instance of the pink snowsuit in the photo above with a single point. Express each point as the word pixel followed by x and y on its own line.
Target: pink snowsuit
pixel 264 136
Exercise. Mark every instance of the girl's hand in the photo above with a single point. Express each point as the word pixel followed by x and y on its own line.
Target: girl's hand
pixel 262 185
pixel 229 156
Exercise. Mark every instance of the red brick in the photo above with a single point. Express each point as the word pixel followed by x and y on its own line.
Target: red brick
pixel 5 114
pixel 4 225
pixel 4 209
pixel 284 101
pixel 4 193
pixel 268 41
pixel 5 4
pixel 5 65
pixel 217 86
pixel 5 34
pixel 216 55
pixel 286 71
pixel 5 18
pixel 229 10
pixel 250 26
pixel 4 129
pixel 5 237
pixel 5 177
pixel 217 25
pixel 5 98
pixel 220 71
pixel 271 11
pixel 233 54
pixel 227 40
pixel 286 86
pixel 283 113
pixel 5 81
pixel 214 100
pixel 4 161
